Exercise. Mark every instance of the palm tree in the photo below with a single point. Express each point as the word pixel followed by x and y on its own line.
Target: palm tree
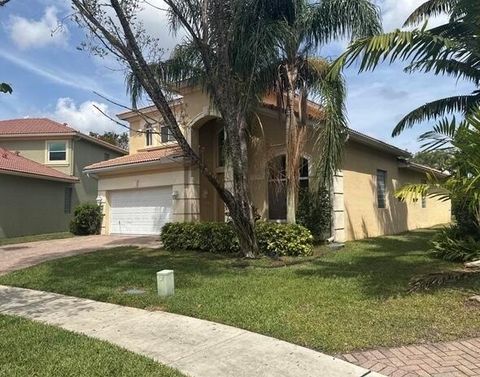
pixel 298 74
pixel 451 49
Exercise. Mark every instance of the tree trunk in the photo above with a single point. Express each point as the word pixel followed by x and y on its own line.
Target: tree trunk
pixel 292 153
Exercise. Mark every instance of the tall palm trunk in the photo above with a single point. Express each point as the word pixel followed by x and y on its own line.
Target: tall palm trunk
pixel 292 155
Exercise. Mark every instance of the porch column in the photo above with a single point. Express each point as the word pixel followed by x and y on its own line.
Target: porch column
pixel 338 208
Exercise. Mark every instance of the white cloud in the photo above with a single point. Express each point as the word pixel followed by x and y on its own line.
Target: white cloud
pixel 28 33
pixel 85 117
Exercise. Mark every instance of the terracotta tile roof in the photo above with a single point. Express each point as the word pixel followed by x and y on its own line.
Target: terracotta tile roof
pixel 11 163
pixel 32 126
pixel 139 158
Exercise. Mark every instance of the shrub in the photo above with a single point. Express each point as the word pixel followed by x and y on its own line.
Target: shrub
pixel 284 239
pixel 315 213
pixel 220 238
pixel 452 244
pixel 212 237
pixel 87 220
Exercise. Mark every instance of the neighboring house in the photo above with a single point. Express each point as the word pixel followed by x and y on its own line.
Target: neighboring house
pixel 34 203
pixel 155 184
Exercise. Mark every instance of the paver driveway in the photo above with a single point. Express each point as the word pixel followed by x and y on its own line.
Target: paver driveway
pixel 18 256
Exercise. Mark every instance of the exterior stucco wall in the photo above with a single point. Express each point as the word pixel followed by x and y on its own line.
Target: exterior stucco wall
pixel 363 218
pixel 86 153
pixel 31 206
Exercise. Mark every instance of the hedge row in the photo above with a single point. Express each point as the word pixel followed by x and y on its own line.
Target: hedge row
pixel 220 238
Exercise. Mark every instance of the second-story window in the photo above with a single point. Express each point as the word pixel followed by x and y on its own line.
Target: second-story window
pixel 148 135
pixel 166 134
pixel 57 151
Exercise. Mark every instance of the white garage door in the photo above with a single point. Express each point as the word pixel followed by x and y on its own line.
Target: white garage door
pixel 142 211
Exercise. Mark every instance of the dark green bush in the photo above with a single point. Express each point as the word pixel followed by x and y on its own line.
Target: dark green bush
pixel 87 220
pixel 452 244
pixel 273 239
pixel 211 237
pixel 315 213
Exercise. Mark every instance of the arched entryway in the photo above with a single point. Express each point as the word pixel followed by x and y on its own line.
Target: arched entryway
pixel 277 185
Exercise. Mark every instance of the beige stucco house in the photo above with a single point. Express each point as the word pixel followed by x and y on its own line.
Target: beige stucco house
pixel 155 184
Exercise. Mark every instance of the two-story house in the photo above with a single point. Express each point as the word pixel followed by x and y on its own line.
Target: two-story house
pixel 155 184
pixel 41 174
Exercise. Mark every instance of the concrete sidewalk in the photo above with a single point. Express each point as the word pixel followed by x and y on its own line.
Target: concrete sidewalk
pixel 195 347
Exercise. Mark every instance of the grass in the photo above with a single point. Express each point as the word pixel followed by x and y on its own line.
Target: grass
pixel 335 302
pixel 37 237
pixel 32 349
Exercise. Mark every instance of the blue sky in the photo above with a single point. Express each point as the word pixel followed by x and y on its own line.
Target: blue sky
pixel 52 78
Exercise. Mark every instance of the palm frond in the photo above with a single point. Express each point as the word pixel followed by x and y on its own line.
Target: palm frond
pixel 467 70
pixel 336 19
pixel 331 131
pixel 429 9
pixel 441 136
pixel 5 88
pixel 436 109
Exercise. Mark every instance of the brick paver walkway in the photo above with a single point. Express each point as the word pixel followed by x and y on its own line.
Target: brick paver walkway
pixel 450 359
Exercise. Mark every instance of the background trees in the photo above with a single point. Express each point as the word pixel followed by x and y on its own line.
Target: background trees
pixel 119 140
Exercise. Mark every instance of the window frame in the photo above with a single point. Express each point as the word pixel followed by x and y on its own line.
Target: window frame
pixel 66 151
pixel 381 204
pixel 149 135
pixel 166 137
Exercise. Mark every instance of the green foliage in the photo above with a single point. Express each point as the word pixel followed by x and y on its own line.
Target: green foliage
pixel 5 88
pixel 87 219
pixel 220 238
pixel 448 49
pixel 119 140
pixel 439 159
pixel 315 213
pixel 208 237
pixel 283 239
pixel 452 244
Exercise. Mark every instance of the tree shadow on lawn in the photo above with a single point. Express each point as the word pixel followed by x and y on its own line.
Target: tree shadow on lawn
pixel 384 266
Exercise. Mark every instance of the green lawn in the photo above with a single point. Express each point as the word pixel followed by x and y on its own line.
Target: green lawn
pixel 32 349
pixel 335 302
pixel 37 237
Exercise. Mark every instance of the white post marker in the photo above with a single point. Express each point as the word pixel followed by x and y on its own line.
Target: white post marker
pixel 165 283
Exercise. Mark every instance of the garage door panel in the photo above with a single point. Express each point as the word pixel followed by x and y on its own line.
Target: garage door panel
pixel 142 211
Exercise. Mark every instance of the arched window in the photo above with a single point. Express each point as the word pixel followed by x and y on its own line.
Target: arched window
pixel 148 135
pixel 277 186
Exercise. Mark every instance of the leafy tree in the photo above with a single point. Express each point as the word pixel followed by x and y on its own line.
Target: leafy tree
pixel 298 73
pixel 119 140
pixel 438 159
pixel 229 53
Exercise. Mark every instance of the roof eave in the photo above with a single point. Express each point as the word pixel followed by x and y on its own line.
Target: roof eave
pixel 378 144
pixel 39 176
pixel 133 165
